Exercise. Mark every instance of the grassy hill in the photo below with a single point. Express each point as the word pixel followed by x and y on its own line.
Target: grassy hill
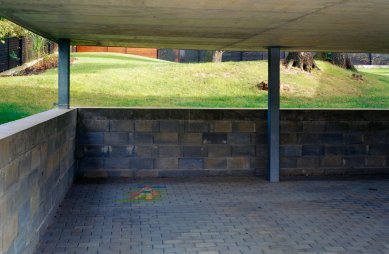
pixel 113 80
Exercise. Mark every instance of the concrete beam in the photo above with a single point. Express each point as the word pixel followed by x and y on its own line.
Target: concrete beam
pixel 63 73
pixel 296 25
pixel 273 115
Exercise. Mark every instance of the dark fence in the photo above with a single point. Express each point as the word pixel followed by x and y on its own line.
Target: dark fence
pixel 200 56
pixel 17 51
pixel 10 53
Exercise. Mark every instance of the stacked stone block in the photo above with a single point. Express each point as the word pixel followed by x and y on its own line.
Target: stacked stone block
pixel 36 169
pixel 334 142
pixel 196 142
pixel 168 142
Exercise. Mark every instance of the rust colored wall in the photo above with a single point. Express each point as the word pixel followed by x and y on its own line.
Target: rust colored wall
pixel 146 52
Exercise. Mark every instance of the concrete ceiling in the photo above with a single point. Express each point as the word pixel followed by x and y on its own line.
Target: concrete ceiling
pixel 253 25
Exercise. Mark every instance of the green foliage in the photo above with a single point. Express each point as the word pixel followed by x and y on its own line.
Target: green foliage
pixel 9 29
pixel 38 44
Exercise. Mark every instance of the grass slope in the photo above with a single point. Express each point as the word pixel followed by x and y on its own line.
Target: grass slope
pixel 114 80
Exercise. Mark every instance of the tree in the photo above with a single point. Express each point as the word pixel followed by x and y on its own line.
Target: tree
pixel 217 56
pixel 301 60
pixel 342 60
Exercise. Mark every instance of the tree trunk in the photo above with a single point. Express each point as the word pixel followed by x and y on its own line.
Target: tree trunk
pixel 217 56
pixel 342 60
pixel 302 60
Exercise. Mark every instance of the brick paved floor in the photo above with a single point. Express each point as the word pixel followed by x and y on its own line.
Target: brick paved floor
pixel 224 215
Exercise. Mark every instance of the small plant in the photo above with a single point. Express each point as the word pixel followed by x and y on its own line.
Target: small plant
pixel 14 56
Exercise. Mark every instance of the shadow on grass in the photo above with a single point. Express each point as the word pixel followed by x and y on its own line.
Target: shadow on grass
pixel 122 57
pixel 88 68
pixel 11 112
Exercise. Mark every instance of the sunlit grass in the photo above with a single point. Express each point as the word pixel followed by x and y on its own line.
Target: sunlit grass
pixel 114 80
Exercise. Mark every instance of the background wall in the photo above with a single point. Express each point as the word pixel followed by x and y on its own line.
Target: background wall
pixel 36 169
pixel 189 142
pixel 146 52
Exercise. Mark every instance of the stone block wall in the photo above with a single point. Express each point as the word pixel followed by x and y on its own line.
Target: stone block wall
pixel 170 142
pixel 193 142
pixel 37 159
pixel 334 142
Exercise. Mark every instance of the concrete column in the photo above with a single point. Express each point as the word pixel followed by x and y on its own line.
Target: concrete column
pixel 63 73
pixel 273 116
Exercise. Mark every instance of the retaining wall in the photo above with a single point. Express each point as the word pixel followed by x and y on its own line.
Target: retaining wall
pixel 36 169
pixel 193 142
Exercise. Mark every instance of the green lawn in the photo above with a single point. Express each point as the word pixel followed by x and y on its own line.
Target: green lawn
pixel 114 80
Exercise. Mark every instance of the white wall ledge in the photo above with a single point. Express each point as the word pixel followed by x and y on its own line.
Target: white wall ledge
pixel 11 128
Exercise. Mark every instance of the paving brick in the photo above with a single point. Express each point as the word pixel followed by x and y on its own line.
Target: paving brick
pixel 116 138
pixel 203 221
pixel 166 138
pixel 146 126
pixel 122 126
pixel 219 151
pixel 195 151
pixel 190 163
